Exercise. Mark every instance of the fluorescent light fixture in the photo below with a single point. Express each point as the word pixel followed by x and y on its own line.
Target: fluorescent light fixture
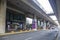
pixel 53 17
pixel 45 6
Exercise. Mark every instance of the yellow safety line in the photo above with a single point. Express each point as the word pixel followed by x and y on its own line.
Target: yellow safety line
pixel 14 33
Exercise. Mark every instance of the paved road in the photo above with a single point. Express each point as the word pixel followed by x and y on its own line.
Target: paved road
pixel 58 37
pixel 37 35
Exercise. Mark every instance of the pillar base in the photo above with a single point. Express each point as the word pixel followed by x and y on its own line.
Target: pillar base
pixel 44 29
pixel 34 29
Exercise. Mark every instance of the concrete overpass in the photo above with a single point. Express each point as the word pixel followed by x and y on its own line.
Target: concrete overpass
pixel 24 7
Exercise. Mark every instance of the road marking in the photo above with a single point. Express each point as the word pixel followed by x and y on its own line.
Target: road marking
pixel 28 38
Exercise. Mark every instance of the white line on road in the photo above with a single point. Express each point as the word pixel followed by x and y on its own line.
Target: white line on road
pixel 28 38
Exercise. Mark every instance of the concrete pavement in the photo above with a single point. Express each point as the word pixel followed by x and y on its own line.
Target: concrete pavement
pixel 58 37
pixel 37 35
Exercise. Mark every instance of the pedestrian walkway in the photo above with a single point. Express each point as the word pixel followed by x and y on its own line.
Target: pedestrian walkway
pixel 11 33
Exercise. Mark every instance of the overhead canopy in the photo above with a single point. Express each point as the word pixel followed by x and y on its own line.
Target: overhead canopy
pixel 56 8
pixel 28 6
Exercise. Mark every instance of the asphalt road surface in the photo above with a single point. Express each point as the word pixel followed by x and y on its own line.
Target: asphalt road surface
pixel 37 35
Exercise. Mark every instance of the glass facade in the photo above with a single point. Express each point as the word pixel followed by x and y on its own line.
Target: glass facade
pixel 14 21
pixel 28 23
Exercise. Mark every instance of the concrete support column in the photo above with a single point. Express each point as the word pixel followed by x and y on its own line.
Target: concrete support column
pixel 34 23
pixel 44 26
pixel 38 24
pixel 2 15
pixel 25 23
pixel 48 24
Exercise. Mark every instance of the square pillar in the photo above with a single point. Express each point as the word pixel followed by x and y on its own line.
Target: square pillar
pixel 2 15
pixel 38 24
pixel 44 27
pixel 42 24
pixel 48 25
pixel 25 23
pixel 34 23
